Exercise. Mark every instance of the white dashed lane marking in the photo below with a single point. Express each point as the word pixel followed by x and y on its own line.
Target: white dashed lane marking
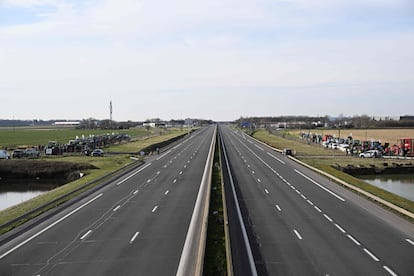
pixel 297 234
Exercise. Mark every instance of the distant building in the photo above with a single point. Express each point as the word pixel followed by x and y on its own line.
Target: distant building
pixel 152 124
pixel 68 123
pixel 148 124
pixel 407 118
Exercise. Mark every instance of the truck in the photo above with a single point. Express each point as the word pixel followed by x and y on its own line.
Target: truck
pixel 407 147
pixel 53 148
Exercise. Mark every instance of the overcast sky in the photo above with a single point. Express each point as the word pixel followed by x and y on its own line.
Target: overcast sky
pixel 215 59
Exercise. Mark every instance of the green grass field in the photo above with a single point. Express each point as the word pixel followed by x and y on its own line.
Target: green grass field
pixel 27 137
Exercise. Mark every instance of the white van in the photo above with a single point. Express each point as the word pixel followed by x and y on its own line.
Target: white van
pixel 4 154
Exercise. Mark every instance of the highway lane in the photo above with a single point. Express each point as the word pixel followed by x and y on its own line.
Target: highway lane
pixel 134 226
pixel 300 223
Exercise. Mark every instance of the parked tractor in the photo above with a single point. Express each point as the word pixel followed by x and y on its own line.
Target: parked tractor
pixel 406 147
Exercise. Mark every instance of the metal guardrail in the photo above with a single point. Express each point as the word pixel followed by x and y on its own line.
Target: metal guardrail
pixel 192 257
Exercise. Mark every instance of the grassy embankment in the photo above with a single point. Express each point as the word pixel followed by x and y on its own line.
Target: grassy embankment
pixel 105 165
pixel 323 159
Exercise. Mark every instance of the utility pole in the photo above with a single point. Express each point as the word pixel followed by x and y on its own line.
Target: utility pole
pixel 110 114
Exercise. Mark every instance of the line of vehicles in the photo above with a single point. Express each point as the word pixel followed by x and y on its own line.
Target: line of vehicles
pixel 34 153
pixel 365 149
pixel 20 153
pixel 88 145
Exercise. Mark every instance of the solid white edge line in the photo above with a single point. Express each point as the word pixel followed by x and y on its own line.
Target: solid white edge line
pixel 48 227
pixel 138 171
pixel 163 155
pixel 134 237
pixel 297 234
pixel 410 241
pixel 371 255
pixel 390 271
pixel 259 147
pixel 253 269
pixel 320 186
pixel 353 239
pixel 281 161
pixel 86 234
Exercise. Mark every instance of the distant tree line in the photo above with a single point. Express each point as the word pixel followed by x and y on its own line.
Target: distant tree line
pixel 25 123
pixel 357 121
pixel 92 123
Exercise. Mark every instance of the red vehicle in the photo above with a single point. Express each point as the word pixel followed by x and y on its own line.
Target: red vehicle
pixel 327 137
pixel 407 147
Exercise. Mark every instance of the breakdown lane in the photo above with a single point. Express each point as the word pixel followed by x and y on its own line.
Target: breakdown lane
pixel 130 229
pixel 302 208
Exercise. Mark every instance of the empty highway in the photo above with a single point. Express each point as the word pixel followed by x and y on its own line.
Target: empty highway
pixel 300 223
pixel 292 220
pixel 136 225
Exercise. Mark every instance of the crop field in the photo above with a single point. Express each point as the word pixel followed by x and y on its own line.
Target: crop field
pixel 391 136
pixel 27 137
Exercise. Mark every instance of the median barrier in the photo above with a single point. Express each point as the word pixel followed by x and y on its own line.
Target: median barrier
pixel 192 257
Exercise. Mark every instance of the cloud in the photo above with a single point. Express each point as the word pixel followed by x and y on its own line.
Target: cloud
pixel 185 55
pixel 29 3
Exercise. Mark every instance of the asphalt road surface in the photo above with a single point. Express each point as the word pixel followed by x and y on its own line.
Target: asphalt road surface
pixel 134 226
pixel 300 223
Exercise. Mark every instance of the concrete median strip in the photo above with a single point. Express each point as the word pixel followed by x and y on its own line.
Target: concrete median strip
pixel 192 256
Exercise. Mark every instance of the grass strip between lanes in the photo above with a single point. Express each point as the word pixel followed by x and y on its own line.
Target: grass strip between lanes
pixel 215 261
